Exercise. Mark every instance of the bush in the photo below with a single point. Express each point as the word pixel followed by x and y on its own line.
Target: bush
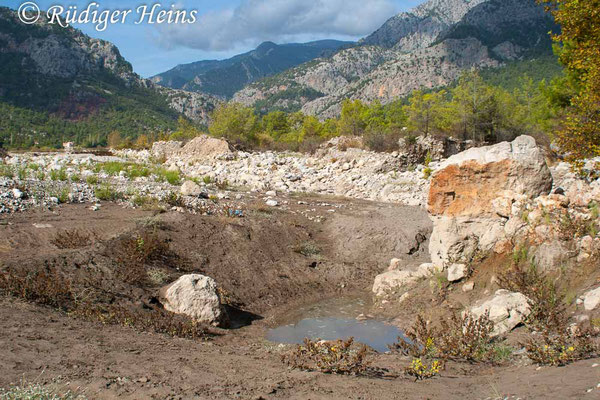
pixel 134 253
pixel 107 193
pixel 48 288
pixel 563 348
pixel 92 180
pixel 171 176
pixel 154 320
pixel 335 357
pixel 548 310
pixel 421 370
pixel 58 175
pixel 463 338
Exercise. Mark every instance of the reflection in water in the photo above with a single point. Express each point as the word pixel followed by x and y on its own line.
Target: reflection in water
pixel 333 319
pixel 376 334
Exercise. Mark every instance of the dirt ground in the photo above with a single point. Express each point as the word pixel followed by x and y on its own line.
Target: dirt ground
pixel 266 263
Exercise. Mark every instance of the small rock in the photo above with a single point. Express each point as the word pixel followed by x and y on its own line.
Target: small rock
pixel 395 264
pixel 272 203
pixel 456 272
pixel 42 226
pixel 506 310
pixel 17 194
pixel 469 286
pixel 271 193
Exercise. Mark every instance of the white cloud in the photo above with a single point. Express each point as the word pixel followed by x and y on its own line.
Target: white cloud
pixel 255 21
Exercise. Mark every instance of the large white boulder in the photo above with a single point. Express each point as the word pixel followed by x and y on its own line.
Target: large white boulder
pixel 472 193
pixel 195 296
pixel 506 310
pixel 591 299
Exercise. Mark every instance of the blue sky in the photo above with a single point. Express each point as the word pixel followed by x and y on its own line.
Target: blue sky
pixel 228 27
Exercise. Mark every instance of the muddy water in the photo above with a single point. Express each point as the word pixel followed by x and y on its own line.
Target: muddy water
pixel 335 319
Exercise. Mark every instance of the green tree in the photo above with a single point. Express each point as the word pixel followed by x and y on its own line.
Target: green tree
pixel 579 51
pixel 236 123
pixel 475 107
pixel 425 112
pixel 351 121
pixel 275 124
pixel 186 130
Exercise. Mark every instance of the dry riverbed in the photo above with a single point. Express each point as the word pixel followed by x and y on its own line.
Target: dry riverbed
pixel 268 263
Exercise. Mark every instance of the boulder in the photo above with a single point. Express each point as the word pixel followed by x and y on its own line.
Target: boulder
pixel 591 299
pixel 204 147
pixel 551 254
pixel 472 193
pixel 195 296
pixel 392 280
pixel 506 310
pixel 191 188
pixel 164 150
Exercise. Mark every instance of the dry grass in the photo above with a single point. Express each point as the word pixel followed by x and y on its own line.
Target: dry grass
pixel 135 253
pixel 47 288
pixel 330 357
pixel 54 290
pixel 153 320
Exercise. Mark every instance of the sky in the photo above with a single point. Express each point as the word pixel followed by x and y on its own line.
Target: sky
pixel 224 28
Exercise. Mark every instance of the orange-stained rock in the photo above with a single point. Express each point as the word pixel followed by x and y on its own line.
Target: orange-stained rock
pixel 468 184
pixel 468 189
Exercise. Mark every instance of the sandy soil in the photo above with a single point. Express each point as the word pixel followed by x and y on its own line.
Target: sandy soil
pixel 259 263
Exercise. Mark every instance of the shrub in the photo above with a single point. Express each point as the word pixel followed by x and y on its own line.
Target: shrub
pixel 335 357
pixel 157 276
pixel 154 320
pixel 92 180
pixel 464 339
pixel 308 249
pixel 59 175
pixel 563 348
pixel 138 171
pixel 171 176
pixel 6 172
pixel 112 168
pixel 133 253
pixel 547 304
pixel 174 200
pixel 63 196
pixel 71 239
pixel 421 370
pixel 107 193
pixel 427 173
pixel 44 287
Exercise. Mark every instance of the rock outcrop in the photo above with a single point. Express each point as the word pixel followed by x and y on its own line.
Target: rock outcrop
pixel 472 193
pixel 506 310
pixel 197 297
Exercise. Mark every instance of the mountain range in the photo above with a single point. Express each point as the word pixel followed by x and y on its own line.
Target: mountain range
pixel 61 84
pixel 426 48
pixel 58 84
pixel 225 77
